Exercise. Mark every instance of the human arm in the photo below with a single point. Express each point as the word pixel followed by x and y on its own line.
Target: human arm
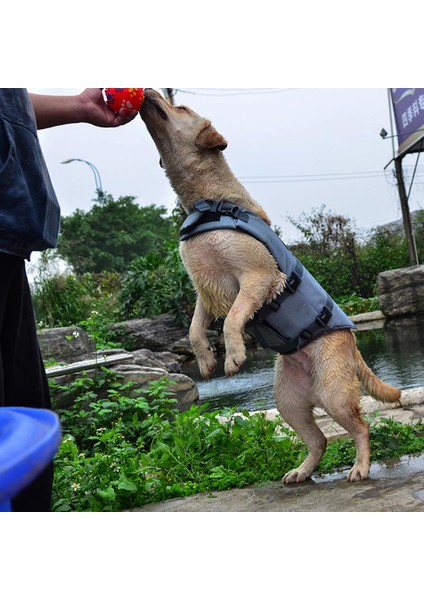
pixel 86 107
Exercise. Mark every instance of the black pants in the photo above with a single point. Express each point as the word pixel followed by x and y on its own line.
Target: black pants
pixel 23 379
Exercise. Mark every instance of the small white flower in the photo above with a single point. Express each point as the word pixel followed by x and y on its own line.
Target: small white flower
pixel 75 486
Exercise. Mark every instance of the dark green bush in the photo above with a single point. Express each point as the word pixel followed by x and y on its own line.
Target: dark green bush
pixel 157 284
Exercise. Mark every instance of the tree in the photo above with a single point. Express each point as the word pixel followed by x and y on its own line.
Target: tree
pixel 112 234
pixel 329 250
pixel 156 284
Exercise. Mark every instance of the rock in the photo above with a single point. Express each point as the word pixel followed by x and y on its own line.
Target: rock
pixel 182 347
pixel 171 361
pixel 158 334
pixel 147 358
pixel 184 388
pixel 162 360
pixel 65 344
pixel 401 291
pixel 412 397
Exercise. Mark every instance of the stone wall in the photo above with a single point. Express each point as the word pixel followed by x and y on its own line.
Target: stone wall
pixel 401 291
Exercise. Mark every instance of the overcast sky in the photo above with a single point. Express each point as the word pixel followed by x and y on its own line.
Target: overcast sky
pixel 294 149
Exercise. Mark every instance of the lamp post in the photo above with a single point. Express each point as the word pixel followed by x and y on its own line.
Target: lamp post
pixel 95 170
pixel 169 94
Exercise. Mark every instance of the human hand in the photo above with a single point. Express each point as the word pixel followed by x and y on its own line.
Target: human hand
pixel 96 111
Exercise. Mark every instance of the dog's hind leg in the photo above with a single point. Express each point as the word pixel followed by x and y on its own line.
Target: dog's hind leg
pixel 303 423
pixel 338 389
pixel 294 399
pixel 199 341
pixel 346 413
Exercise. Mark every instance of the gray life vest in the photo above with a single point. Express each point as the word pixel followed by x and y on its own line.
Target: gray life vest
pixel 303 311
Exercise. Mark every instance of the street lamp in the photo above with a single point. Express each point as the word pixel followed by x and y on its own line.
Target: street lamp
pixel 95 170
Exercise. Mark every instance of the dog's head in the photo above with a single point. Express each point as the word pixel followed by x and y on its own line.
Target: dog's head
pixel 178 131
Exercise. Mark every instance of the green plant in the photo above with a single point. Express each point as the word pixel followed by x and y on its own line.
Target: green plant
pixel 120 452
pixel 355 305
pixel 62 300
pixel 157 284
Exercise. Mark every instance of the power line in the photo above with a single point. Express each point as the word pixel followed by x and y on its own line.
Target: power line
pixel 320 174
pixel 312 177
pixel 236 91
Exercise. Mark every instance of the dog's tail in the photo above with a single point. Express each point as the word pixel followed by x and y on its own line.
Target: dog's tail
pixel 375 387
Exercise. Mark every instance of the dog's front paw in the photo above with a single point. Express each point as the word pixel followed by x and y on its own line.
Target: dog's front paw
pixel 233 363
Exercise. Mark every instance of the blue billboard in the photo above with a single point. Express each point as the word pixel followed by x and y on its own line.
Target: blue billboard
pixel 408 108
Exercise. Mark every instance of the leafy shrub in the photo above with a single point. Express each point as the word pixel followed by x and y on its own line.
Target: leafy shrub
pixel 344 263
pixel 119 452
pixel 63 300
pixel 355 305
pixel 157 284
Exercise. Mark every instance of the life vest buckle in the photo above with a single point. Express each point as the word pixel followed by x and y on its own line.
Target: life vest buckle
pixel 324 316
pixel 292 283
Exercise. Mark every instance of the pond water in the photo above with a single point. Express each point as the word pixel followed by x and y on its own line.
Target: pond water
pixel 395 353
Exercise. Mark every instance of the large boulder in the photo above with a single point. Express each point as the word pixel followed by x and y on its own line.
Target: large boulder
pixel 65 344
pixel 401 291
pixel 157 360
pixel 157 334
pixel 184 388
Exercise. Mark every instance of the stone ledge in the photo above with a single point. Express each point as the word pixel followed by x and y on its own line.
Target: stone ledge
pixel 398 410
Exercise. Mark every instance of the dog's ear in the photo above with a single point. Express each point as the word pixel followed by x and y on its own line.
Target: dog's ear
pixel 209 138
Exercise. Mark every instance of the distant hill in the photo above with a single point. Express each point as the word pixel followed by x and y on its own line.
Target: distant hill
pixel 417 220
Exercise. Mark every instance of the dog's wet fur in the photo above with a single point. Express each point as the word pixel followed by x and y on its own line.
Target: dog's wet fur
pixel 235 275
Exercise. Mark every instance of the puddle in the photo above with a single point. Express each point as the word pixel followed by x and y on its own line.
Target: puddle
pixel 394 468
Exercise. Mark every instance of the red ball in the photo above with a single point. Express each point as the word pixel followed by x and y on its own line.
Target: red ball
pixel 127 99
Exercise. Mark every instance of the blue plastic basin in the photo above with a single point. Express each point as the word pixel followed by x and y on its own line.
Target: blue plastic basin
pixel 29 439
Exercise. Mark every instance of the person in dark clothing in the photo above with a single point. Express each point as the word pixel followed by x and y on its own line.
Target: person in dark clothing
pixel 29 221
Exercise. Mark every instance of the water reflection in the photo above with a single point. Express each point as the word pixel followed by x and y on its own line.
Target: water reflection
pixel 395 353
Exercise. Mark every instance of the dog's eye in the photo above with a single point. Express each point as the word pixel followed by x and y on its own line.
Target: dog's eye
pixel 182 108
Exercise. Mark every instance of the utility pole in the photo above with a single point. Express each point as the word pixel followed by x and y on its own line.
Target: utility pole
pixel 169 95
pixel 406 215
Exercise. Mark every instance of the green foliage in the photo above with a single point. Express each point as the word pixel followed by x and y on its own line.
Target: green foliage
pixel 119 452
pixel 355 305
pixel 345 265
pixel 157 284
pixel 385 249
pixel 88 301
pixel 112 234
pixel 62 300
pixel 329 250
